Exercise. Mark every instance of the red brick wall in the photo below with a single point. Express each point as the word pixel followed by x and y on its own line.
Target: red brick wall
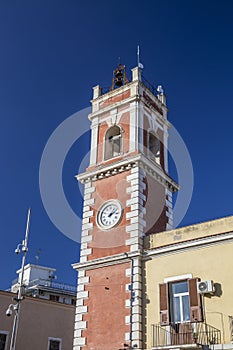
pixel 117 98
pixel 110 242
pixel 106 308
pixel 155 206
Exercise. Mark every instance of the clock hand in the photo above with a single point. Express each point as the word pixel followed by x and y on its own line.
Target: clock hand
pixel 109 215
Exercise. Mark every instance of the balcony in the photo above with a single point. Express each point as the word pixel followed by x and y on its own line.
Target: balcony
pixel 185 335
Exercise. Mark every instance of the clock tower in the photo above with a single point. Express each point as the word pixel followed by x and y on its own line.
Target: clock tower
pixel 127 195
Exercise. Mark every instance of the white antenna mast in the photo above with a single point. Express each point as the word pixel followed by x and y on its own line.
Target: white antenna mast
pixel 140 65
pixel 138 53
pixel 16 307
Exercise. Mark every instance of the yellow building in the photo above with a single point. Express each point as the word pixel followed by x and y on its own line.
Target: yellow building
pixel 189 287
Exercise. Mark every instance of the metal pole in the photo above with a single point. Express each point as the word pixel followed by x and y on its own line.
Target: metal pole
pixel 20 291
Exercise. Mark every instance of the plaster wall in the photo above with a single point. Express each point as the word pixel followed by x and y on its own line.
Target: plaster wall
pixel 39 320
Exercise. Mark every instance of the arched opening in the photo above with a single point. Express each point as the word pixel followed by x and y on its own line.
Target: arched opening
pixel 154 147
pixel 113 142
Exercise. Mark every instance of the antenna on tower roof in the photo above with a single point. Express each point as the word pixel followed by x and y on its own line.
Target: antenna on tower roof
pixel 140 65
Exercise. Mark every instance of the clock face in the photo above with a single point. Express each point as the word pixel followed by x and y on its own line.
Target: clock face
pixel 109 214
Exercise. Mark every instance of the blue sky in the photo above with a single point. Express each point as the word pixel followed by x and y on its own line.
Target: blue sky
pixel 53 53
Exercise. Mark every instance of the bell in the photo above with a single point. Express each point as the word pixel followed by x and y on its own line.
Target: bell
pixel 119 77
pixel 119 80
pixel 117 72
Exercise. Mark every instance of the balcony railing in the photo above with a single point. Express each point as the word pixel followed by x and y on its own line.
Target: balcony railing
pixel 185 334
pixel 51 284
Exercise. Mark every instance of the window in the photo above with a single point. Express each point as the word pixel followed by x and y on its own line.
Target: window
pixel 54 344
pixel 180 302
pixel 3 340
pixel 113 142
pixel 154 147
pixel 54 297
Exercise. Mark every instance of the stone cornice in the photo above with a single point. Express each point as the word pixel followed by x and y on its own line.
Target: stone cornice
pixel 188 245
pixel 107 261
pixel 157 172
pixel 104 171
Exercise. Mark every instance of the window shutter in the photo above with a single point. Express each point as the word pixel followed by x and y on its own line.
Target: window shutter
pixel 196 314
pixel 164 304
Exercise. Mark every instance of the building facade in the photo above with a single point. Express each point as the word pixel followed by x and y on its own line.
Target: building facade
pixel 47 311
pixel 189 287
pixel 41 282
pixel 43 324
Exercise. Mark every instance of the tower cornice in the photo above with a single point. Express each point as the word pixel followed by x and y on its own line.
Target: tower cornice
pixel 153 169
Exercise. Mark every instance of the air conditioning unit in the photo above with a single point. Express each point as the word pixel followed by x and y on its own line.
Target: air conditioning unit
pixel 205 287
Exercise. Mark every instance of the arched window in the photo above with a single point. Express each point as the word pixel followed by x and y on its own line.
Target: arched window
pixel 113 142
pixel 154 147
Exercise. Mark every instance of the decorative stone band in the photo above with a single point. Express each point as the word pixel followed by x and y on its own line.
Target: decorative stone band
pixel 81 309
pixel 86 224
pixel 128 163
pixel 137 211
pixel 134 336
pixel 169 212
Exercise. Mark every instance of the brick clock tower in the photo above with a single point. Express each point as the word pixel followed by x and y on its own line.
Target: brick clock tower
pixel 127 195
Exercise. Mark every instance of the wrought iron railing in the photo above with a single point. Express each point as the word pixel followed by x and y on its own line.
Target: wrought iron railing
pixel 51 284
pixel 105 90
pixel 149 86
pixel 184 334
